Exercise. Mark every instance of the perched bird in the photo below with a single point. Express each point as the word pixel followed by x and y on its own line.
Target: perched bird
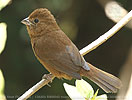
pixel 57 53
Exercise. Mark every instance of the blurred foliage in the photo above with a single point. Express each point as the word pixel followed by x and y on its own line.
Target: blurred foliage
pixel 69 27
pixel 3 3
pixel 2 85
pixel 3 36
pixel 83 21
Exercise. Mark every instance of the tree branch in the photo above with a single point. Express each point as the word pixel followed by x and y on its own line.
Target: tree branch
pixel 107 35
pixel 48 78
pixel 83 52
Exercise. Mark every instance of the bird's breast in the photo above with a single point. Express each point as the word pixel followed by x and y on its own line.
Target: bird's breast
pixel 50 44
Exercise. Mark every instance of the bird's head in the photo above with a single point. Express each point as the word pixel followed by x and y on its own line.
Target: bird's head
pixel 40 21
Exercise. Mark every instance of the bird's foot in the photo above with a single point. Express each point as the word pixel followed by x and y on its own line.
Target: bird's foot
pixel 48 77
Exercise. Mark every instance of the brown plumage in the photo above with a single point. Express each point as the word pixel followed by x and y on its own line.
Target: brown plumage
pixel 59 55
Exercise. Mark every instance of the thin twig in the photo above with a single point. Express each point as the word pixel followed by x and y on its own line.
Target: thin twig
pixel 35 88
pixel 83 52
pixel 107 35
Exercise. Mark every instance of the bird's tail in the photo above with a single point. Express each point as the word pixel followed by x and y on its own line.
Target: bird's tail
pixel 106 81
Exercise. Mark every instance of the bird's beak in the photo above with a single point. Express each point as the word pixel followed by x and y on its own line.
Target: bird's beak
pixel 26 21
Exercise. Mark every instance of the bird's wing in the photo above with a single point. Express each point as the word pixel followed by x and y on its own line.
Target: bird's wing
pixel 69 61
pixel 76 57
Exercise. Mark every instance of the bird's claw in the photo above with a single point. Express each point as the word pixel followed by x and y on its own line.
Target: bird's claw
pixel 47 77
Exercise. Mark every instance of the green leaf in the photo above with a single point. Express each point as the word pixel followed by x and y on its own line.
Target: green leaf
pixel 72 92
pixel 101 97
pixel 2 83
pixel 93 98
pixel 3 36
pixel 3 3
pixel 2 97
pixel 84 88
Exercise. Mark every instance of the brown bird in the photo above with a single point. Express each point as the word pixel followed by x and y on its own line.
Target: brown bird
pixel 57 53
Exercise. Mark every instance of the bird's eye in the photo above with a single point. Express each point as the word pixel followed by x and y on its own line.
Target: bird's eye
pixel 36 20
